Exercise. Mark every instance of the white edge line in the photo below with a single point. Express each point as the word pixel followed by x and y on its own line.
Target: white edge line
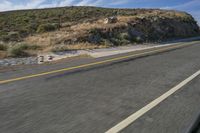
pixel 115 52
pixel 123 124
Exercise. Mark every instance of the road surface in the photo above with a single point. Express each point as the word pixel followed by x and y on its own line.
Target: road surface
pixel 95 99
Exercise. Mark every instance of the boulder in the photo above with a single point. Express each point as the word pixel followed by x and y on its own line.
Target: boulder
pixel 111 20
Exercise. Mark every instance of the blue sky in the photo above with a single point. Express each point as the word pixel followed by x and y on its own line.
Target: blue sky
pixel 191 6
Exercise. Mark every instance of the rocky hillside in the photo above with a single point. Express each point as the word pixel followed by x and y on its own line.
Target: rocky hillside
pixel 27 32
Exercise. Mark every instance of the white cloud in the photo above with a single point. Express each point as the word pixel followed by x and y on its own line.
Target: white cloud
pixel 102 2
pixel 7 5
pixel 196 15
pixel 188 5
pixel 191 7
pixel 84 3
pixel 119 2
pixel 67 2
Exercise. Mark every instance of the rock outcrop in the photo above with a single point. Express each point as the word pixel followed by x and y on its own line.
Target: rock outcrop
pixel 65 29
pixel 149 28
pixel 156 26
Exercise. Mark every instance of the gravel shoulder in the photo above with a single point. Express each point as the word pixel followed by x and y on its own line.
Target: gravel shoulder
pixel 95 53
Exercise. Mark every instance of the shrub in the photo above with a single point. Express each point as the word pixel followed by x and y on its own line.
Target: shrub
pixel 115 41
pixel 137 39
pixel 120 39
pixel 47 27
pixel 59 48
pixel 34 47
pixel 13 36
pixel 24 32
pixel 3 47
pixel 95 31
pixel 106 42
pixel 124 36
pixel 4 38
pixel 20 50
pixel 119 42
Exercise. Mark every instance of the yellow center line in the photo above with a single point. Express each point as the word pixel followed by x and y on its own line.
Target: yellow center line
pixel 93 64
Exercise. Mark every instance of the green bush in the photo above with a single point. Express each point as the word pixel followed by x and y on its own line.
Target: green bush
pixel 95 31
pixel 34 47
pixel 4 38
pixel 24 32
pixel 137 39
pixel 120 39
pixel 20 50
pixel 119 42
pixel 29 22
pixel 59 48
pixel 106 42
pixel 13 36
pixel 123 36
pixel 3 47
pixel 47 27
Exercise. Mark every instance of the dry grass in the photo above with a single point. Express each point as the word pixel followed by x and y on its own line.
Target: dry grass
pixel 54 38
pixel 75 31
pixel 53 41
pixel 58 40
pixel 3 47
pixel 3 54
pixel 79 46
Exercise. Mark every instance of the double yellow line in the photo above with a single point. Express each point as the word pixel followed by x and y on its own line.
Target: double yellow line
pixel 96 63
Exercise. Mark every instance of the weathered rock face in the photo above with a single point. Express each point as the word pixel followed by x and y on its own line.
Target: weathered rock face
pixel 149 28
pixel 68 28
pixel 111 20
pixel 156 26
pixel 159 29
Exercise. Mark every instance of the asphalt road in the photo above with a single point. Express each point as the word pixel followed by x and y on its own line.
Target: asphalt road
pixel 94 99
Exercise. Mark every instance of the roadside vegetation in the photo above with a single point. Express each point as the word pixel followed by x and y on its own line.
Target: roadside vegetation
pixel 18 50
pixel 3 47
pixel 27 32
pixel 15 25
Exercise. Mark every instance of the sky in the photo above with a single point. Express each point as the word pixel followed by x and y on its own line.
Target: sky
pixel 190 6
